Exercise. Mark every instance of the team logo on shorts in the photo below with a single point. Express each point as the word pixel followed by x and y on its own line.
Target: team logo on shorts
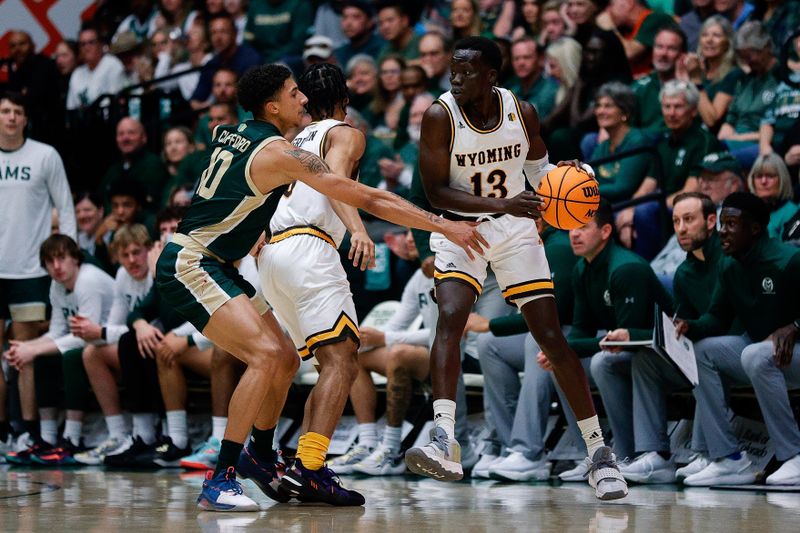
pixel 768 285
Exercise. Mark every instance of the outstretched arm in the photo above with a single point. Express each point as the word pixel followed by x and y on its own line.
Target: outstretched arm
pixel 297 164
pixel 434 165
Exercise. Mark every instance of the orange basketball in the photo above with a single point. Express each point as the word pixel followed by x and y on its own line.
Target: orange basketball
pixel 570 195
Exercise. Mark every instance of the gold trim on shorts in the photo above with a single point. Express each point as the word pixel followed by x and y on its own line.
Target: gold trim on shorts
pixel 536 287
pixel 439 276
pixel 344 327
pixel 302 230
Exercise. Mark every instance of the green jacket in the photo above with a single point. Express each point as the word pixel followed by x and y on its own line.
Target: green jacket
pixel 619 179
pixel 681 156
pixel 694 280
pixel 618 289
pixel 781 213
pixel 542 94
pixel 647 89
pixel 146 168
pixel 409 52
pixel 751 99
pixel 278 28
pixel 153 307
pixel 760 289
pixel 562 262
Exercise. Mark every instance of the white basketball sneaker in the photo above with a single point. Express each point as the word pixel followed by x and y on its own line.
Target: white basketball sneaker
pixel 697 464
pixel 482 467
pixel 439 459
pixel 650 467
pixel 344 463
pixel 517 467
pixel 604 475
pixel 724 472
pixel 383 461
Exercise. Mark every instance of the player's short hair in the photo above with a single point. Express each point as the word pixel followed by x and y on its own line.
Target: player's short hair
pixel 325 87
pixel 261 84
pixel 708 206
pixel 59 245
pixel 16 99
pixel 490 52
pixel 171 212
pixel 131 234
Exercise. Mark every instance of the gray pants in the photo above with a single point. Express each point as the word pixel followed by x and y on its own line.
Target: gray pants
pixel 736 360
pixel 612 374
pixel 519 407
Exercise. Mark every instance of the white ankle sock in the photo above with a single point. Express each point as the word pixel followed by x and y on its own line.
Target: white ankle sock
pixel 49 431
pixel 177 428
pixel 218 425
pixel 144 427
pixel 592 434
pixel 368 435
pixel 117 428
pixel 444 416
pixel 392 437
pixel 72 431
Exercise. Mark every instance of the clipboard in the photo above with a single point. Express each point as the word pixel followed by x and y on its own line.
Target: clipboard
pixel 677 352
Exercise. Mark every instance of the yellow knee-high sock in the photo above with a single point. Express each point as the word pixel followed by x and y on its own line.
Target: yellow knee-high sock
pixel 312 449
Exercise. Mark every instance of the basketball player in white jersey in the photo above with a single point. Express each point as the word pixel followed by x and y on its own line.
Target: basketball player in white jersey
pixel 301 272
pixel 479 145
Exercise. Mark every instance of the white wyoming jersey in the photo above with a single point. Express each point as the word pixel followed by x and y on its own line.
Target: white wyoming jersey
pixel 301 205
pixel 487 162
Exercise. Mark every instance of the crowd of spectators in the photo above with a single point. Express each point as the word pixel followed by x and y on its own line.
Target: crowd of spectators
pixel 689 111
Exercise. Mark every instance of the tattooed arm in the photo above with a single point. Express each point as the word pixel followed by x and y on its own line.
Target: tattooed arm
pixel 297 164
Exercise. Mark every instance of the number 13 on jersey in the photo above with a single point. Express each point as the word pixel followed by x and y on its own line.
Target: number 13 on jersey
pixel 496 179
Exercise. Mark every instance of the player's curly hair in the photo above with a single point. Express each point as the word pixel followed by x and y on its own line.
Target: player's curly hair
pixel 490 52
pixel 261 84
pixel 326 89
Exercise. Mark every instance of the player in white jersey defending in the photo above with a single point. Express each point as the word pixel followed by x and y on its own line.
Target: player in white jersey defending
pixel 32 182
pixel 478 147
pixel 301 272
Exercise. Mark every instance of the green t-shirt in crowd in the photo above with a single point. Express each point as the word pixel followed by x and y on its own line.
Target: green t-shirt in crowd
pixel 542 93
pixel 408 52
pixel 647 91
pixel 618 289
pixel 725 85
pixel 278 28
pixel 751 99
pixel 759 289
pixel 681 155
pixel 619 179
pixel 144 167
pixel 783 114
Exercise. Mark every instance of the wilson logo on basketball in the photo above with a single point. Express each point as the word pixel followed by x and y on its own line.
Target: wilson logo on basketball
pixel 590 192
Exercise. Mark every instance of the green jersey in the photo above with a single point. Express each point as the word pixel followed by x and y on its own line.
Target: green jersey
pixel 228 212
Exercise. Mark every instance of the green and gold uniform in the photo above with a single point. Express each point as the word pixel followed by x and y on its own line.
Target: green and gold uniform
pixel 196 272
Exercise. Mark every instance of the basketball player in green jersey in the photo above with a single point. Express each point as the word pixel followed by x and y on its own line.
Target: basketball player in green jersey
pixel 251 165
pixel 479 145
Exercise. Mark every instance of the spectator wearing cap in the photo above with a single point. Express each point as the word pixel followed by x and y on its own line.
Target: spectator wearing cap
pixel 395 25
pixel 680 152
pixel 769 180
pixel 530 82
pixel 616 109
pixel 277 28
pixel 136 162
pixel 753 95
pixel 316 49
pixel 669 46
pixel 359 28
pixel 637 26
pixel 100 73
pixel 720 176
pixel 137 67
pixel 758 285
pixel 227 53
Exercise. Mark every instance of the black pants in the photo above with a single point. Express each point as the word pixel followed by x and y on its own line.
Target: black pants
pixel 139 377
pixel 61 380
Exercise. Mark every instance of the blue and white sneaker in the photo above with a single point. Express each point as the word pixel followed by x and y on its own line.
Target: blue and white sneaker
pixel 204 457
pixel 265 474
pixel 223 493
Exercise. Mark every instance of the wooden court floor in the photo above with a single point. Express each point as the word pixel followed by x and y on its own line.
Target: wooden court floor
pixel 78 500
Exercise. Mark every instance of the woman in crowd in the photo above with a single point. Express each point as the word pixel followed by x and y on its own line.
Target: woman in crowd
pixel 178 143
pixel 177 16
pixel 769 180
pixel 529 20
pixel 88 214
pixel 563 63
pixel 388 100
pixel 614 109
pixel 362 80
pixel 712 69
pixel 465 19
pixel 553 22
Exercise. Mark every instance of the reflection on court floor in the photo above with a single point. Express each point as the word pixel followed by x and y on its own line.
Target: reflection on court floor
pixel 130 502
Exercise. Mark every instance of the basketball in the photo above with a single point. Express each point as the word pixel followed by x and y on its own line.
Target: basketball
pixel 570 195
